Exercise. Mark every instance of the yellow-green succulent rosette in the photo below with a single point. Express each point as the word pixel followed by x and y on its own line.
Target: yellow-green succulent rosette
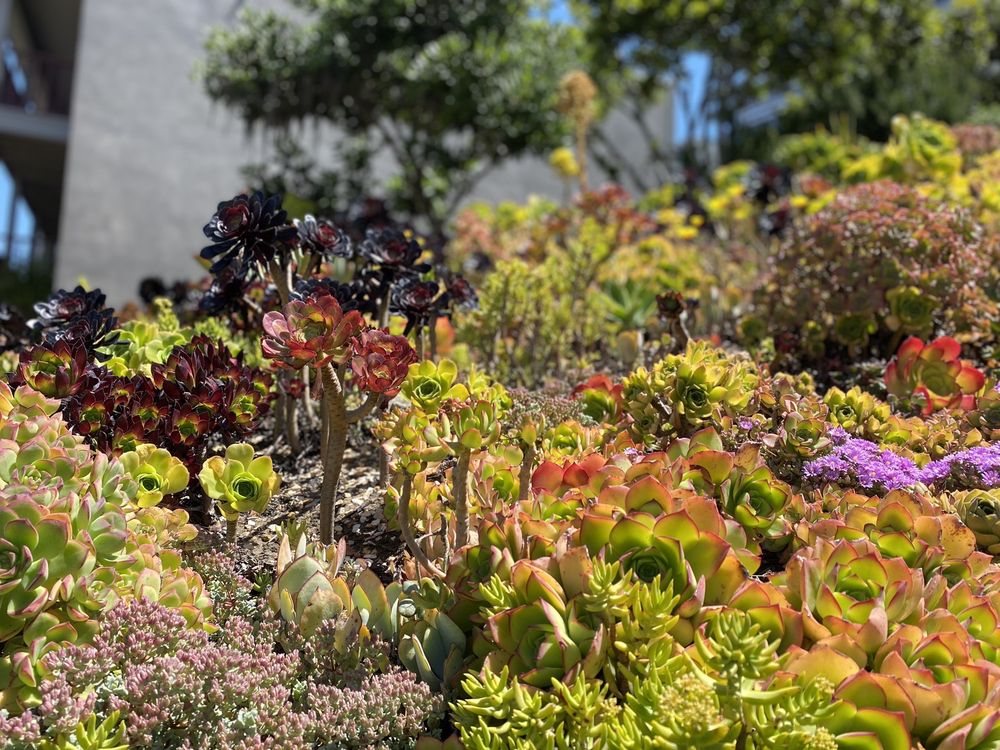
pixel 238 482
pixel 157 473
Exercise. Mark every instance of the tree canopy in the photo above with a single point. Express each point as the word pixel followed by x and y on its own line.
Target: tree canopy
pixel 448 88
pixel 863 59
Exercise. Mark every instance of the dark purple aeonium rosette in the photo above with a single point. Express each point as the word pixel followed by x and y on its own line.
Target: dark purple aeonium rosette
pixel 247 232
pixel 352 295
pixel 392 250
pixel 78 314
pixel 418 301
pixel 63 306
pixel 459 293
pixel 322 238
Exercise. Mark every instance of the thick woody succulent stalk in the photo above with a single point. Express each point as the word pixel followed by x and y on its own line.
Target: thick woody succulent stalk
pixel 318 333
pixel 335 419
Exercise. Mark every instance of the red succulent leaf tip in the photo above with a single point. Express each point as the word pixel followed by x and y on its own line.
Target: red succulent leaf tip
pixel 909 349
pixel 970 379
pixel 595 382
pixel 935 372
pixel 575 475
pixel 944 348
pixel 548 476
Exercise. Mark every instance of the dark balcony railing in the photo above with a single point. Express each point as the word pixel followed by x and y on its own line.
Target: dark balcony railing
pixel 35 81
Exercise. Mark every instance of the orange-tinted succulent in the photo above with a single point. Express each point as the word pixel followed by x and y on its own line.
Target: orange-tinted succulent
pixel 935 373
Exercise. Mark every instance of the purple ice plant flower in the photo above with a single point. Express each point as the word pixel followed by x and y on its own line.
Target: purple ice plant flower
pixel 866 465
pixel 974 466
pixel 862 462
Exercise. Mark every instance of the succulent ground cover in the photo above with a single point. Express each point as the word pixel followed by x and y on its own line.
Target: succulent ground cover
pixel 345 494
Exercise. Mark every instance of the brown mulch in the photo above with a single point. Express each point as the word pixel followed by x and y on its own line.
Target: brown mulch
pixel 359 515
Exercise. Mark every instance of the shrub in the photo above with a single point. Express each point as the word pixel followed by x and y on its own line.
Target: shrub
pixel 879 261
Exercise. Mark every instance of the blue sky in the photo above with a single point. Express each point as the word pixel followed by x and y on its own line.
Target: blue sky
pixel 24 222
pixel 695 66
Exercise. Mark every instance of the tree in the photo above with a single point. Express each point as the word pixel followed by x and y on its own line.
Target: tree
pixel 864 59
pixel 448 88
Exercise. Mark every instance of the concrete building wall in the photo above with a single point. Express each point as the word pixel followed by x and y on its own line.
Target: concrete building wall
pixel 150 155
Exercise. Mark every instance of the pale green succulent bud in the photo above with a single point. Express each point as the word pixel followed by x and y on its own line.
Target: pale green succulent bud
pixel 239 483
pixel 156 472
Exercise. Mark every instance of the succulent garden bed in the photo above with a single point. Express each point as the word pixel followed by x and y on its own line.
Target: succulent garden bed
pixel 732 482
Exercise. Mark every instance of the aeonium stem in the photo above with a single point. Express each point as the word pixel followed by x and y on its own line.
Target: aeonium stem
pixel 383 467
pixel 524 479
pixel 383 308
pixel 279 416
pixel 281 281
pixel 371 401
pixel 307 395
pixel 335 417
pixel 403 518
pixel 292 426
pixel 460 480
pixel 232 530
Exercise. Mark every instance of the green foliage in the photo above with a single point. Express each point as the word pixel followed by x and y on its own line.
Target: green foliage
pixel 380 80
pixel 630 304
pixel 239 482
pixel 156 473
pixel 857 61
pixel 684 392
pixel 89 735
pixel 524 323
pixel 821 152
pixel 919 149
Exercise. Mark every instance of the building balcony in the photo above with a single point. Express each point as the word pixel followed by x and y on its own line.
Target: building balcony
pixel 34 81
